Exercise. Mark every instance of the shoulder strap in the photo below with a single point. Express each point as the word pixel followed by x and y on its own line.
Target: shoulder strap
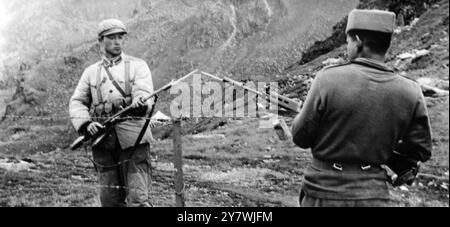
pixel 147 122
pixel 98 85
pixel 127 77
pixel 114 82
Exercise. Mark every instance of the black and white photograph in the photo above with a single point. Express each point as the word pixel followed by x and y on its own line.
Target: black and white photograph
pixel 225 104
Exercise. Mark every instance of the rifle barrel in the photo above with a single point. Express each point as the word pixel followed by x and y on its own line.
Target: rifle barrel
pixel 282 101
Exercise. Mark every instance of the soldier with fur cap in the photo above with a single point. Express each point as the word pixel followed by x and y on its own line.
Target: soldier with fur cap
pixel 359 117
pixel 106 87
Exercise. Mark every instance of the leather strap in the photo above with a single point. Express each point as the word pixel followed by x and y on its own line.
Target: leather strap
pixel 147 122
pixel 111 78
pixel 99 81
pixel 127 77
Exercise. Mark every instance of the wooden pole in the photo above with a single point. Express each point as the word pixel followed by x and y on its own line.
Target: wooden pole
pixel 178 164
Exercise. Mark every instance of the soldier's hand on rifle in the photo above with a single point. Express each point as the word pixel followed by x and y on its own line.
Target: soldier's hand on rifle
pixel 94 127
pixel 139 107
pixel 138 103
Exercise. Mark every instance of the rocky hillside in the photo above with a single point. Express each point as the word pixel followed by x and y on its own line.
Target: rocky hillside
pixel 257 39
pixel 424 24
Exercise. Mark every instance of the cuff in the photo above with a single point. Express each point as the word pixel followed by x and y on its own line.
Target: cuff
pixel 83 128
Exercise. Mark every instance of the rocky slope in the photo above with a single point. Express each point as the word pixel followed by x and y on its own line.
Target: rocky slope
pixel 257 39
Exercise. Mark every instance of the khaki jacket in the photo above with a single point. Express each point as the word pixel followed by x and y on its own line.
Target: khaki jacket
pixel 357 113
pixel 85 96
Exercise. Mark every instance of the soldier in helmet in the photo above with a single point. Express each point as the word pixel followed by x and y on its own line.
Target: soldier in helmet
pixel 106 87
pixel 358 117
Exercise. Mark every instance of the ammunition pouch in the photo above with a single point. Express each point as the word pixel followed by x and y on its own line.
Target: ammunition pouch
pixel 108 108
pixel 103 111
pixel 99 111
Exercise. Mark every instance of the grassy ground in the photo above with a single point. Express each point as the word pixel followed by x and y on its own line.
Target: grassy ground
pixel 250 167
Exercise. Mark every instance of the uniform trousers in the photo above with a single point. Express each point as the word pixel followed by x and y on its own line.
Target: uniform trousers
pixel 124 175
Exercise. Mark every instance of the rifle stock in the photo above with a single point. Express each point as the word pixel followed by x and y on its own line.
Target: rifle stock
pixel 109 123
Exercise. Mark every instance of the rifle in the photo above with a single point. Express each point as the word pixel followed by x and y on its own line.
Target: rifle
pixel 292 106
pixel 110 122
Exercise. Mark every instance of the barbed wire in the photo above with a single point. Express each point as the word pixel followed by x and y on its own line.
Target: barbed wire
pixel 95 185
pixel 64 186
pixel 52 118
pixel 31 117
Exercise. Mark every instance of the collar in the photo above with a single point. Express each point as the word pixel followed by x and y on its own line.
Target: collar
pixel 108 62
pixel 373 64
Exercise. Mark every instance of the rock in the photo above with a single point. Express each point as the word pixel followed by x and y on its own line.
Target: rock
pixel 414 54
pixel 414 22
pixel 405 56
pixel 211 137
pixel 17 136
pixel 271 141
pixel 421 53
pixel 444 186
pixel 435 46
pixel 404 188
pixel 446 173
pixel 15 165
pixel 267 156
pixel 333 61
pixel 78 178
pixel 398 30
pixel 425 37
pixel 433 86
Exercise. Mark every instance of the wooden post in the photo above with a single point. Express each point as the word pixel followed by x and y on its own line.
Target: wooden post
pixel 178 164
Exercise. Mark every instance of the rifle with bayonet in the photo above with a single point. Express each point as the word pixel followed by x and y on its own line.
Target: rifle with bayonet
pixel 290 106
pixel 108 124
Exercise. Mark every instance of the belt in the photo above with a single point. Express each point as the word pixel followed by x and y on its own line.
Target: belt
pixel 337 166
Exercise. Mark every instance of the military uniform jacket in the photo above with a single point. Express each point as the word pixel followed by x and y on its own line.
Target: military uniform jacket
pixel 357 113
pixel 85 96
